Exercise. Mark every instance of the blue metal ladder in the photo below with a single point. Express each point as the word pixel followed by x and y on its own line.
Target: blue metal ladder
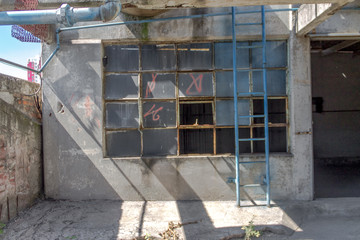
pixel 249 94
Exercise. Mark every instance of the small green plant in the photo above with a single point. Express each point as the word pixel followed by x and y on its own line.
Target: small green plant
pixel 148 237
pixel 250 231
pixel 72 237
pixel 2 225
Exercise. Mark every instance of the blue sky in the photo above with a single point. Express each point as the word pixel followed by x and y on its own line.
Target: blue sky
pixel 13 50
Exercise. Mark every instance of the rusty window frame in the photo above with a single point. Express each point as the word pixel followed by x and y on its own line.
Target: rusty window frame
pixel 195 99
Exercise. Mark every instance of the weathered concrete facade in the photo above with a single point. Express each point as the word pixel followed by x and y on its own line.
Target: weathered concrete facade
pixel 20 147
pixel 73 119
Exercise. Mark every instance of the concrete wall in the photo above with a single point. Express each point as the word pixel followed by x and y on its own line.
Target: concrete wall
pixel 343 21
pixel 336 79
pixel 73 121
pixel 20 147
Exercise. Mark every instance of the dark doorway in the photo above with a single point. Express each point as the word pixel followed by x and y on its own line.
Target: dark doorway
pixel 336 120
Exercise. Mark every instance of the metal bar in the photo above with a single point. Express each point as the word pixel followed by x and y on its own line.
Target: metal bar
pixel 248 47
pixel 252 162
pixel 265 108
pixel 246 24
pixel 252 185
pixel 251 94
pixel 28 17
pixel 237 168
pixel 268 10
pixel 251 139
pixel 252 116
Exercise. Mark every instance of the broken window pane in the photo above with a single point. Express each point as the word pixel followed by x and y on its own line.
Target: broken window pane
pixel 159 114
pixel 225 140
pixel 120 86
pixel 195 84
pixel 122 115
pixel 158 85
pixel 225 83
pixel 158 57
pixel 196 141
pixel 225 112
pixel 276 110
pixel 121 58
pixel 223 55
pixel 277 139
pixel 123 143
pixel 160 142
pixel 195 56
pixel 196 114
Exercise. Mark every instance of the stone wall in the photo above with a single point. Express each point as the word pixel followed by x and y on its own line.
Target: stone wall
pixel 20 147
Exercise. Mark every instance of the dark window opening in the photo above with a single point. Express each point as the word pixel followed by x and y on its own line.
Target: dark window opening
pixel 196 114
pixel 199 141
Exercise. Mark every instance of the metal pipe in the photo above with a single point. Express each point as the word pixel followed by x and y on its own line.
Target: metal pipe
pixel 64 15
pixel 28 17
pixel 266 121
pixel 171 18
pixel 237 167
pixel 81 15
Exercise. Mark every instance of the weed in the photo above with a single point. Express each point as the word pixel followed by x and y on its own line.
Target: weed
pixel 250 231
pixel 2 225
pixel 72 237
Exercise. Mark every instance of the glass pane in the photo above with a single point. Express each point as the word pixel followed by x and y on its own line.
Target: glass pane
pixel 276 109
pixel 121 58
pixel 157 85
pixel 224 56
pixel 195 56
pixel 165 144
pixel 195 84
pixel 196 141
pixel 276 82
pixel 196 114
pixel 276 54
pixel 277 139
pixel 123 144
pixel 225 140
pixel 158 57
pixel 159 114
pixel 122 115
pixel 120 86
pixel 225 112
pixel 225 83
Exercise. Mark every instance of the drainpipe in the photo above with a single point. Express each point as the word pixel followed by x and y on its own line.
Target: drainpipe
pixel 65 15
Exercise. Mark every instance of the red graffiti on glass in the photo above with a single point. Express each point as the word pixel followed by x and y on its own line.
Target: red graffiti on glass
pixel 151 86
pixel 154 113
pixel 195 83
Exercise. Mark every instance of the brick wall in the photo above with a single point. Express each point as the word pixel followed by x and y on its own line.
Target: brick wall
pixel 20 147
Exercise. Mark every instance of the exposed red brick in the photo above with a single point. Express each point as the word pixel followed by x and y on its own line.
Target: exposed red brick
pixel 3 153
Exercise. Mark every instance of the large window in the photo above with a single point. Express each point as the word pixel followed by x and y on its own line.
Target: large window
pixel 177 99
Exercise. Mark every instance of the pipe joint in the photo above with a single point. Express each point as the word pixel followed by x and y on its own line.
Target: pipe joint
pixel 110 10
pixel 63 15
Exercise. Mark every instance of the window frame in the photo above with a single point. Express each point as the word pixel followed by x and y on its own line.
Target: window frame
pixel 140 100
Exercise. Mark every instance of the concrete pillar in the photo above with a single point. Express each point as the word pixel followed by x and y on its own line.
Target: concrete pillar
pixel 301 117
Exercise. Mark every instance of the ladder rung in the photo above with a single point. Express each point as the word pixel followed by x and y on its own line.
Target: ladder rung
pixel 245 24
pixel 249 70
pixel 251 94
pixel 252 116
pixel 252 162
pixel 251 139
pixel 254 46
pixel 253 185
